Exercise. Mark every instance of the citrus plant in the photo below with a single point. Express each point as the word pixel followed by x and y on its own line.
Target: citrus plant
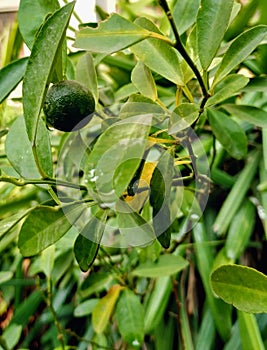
pixel 133 178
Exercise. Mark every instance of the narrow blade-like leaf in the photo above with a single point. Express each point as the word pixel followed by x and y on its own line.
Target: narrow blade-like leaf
pixel 87 243
pixel 212 21
pixel 184 14
pixel 251 114
pixel 41 60
pixel 114 34
pixel 10 76
pixel 239 50
pixel 229 133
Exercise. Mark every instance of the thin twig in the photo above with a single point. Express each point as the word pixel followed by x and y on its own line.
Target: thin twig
pixel 180 47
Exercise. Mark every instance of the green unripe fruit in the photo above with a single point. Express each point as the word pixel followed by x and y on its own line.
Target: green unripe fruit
pixel 68 106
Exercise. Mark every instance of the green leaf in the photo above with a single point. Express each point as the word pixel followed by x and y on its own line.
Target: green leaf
pixel 251 114
pixel 86 74
pixel 183 116
pixel 138 105
pixel 184 14
pixel 9 223
pixel 31 15
pixel 87 243
pixel 47 260
pixel 116 157
pixel 237 193
pixel 85 308
pixel 12 334
pixel 257 84
pixel 114 34
pixel 19 150
pixel 95 283
pixel 221 312
pixel 158 55
pixel 239 50
pixel 229 133
pixel 43 227
pixel 227 87
pixel 165 265
pixel 249 332
pixel 212 21
pixel 104 308
pixel 143 80
pixel 10 76
pixel 160 192
pixel 130 317
pixel 241 286
pixel 41 60
pixel 135 230
pixel 5 276
pixel 157 303
pixel 240 230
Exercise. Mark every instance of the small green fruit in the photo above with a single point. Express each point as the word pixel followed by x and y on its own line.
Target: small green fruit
pixel 68 106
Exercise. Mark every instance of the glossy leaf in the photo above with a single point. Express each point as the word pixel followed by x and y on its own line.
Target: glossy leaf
pixel 144 81
pixel 19 150
pixel 116 157
pixel 43 227
pixel 249 332
pixel 165 265
pixel 241 286
pixel 251 114
pixel 86 74
pixel 229 86
pixel 239 50
pixel 9 223
pixel 183 116
pixel 212 21
pixel 114 34
pixel 160 192
pixel 104 308
pixel 130 318
pixel 229 133
pixel 237 193
pixel 41 60
pixel 87 243
pixel 10 76
pixel 158 55
pixel 31 15
pixel 184 14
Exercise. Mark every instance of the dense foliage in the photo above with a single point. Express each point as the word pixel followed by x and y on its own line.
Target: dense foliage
pixel 146 228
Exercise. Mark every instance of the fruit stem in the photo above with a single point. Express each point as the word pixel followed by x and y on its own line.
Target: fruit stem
pixel 180 47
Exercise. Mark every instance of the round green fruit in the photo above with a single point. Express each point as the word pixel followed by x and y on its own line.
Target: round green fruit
pixel 68 106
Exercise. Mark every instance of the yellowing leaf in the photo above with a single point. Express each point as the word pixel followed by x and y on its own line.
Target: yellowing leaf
pixel 104 308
